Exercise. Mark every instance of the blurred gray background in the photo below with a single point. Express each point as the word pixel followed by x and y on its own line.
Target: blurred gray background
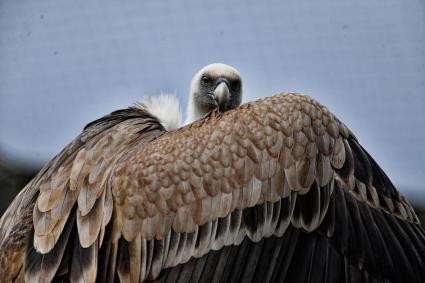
pixel 65 63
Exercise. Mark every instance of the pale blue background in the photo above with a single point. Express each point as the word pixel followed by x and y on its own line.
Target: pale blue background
pixel 65 63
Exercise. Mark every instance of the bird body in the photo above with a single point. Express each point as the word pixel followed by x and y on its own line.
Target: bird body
pixel 277 189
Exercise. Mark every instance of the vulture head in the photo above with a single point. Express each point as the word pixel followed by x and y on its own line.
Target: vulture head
pixel 214 86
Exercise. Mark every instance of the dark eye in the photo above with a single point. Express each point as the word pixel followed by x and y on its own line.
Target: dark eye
pixel 235 85
pixel 205 80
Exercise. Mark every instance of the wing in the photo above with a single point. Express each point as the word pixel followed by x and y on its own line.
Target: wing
pixel 279 189
pixel 62 213
pixel 275 190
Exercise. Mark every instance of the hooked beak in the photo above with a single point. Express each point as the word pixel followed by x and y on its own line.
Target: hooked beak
pixel 221 94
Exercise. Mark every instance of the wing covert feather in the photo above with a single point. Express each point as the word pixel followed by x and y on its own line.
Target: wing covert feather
pixel 310 147
pixel 282 171
pixel 280 146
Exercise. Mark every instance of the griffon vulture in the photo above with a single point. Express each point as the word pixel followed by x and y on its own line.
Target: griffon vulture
pixel 275 190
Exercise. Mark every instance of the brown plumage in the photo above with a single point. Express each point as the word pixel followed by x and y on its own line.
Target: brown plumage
pixel 278 189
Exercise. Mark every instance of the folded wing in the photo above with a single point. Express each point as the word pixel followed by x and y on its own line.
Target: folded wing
pixel 278 189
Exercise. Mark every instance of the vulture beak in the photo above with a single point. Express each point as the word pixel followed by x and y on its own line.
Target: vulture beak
pixel 221 94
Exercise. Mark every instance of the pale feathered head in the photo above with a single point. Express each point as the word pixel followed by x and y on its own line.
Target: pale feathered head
pixel 216 85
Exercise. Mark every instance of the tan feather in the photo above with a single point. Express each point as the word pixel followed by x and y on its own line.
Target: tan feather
pixel 324 144
pixel 245 171
pixel 286 159
pixel 43 222
pixel 347 169
pixel 172 251
pixel 134 251
pixel 389 204
pixel 149 226
pixel 87 197
pixel 186 253
pixel 76 171
pixel 211 185
pixel 96 173
pixel 276 147
pixel 51 261
pixel 143 259
pixel 275 187
pixel 286 212
pixel 262 170
pixel 89 225
pixel 361 188
pixel 323 170
pixel 372 197
pixel 234 227
pixel 180 249
pixel 215 208
pixel 245 197
pixel 411 213
pixel 277 183
pixel 223 227
pixel 107 213
pixel 291 178
pixel 276 206
pixel 49 198
pixel 254 187
pixel 254 153
pixel 237 194
pixel 401 211
pixel 183 221
pixel 268 230
pixel 306 172
pixel 204 236
pixel 338 154
pixel 44 184
pixel 206 206
pixel 44 240
pixel 157 259
pixel 333 129
pixel 132 227
pixel 213 233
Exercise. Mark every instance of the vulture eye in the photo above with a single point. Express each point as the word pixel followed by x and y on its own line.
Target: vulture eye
pixel 205 80
pixel 235 85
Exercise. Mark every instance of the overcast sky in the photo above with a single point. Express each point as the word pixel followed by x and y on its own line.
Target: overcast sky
pixel 65 63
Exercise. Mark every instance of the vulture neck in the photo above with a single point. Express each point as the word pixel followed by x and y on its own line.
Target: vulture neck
pixel 194 112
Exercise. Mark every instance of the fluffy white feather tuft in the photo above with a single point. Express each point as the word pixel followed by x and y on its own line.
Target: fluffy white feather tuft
pixel 166 108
